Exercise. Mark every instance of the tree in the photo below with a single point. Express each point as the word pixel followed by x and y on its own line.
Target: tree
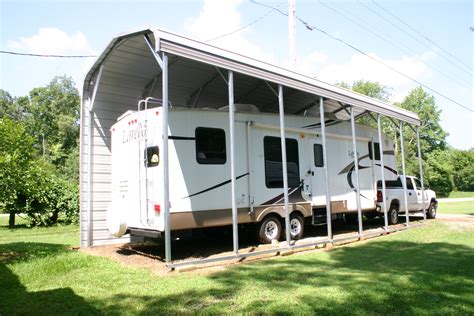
pixel 463 165
pixel 54 119
pixel 15 157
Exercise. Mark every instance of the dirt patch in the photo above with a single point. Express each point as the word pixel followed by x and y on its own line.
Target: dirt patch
pixel 151 255
pixel 457 221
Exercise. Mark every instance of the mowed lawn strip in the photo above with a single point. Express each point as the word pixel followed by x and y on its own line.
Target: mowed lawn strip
pixel 460 194
pixel 463 207
pixel 426 270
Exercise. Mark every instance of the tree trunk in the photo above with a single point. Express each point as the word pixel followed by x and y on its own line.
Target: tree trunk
pixel 11 220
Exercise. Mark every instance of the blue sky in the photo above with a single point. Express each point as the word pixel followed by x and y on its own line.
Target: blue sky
pixel 86 27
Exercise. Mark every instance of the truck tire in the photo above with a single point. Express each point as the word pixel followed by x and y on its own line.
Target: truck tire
pixel 269 229
pixel 393 214
pixel 431 211
pixel 296 226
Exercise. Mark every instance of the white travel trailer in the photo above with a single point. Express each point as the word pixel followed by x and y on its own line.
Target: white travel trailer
pixel 200 184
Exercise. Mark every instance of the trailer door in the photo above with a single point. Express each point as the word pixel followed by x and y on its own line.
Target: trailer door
pixel 315 173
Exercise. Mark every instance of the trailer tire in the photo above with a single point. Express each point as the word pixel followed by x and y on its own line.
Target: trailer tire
pixel 393 214
pixel 296 226
pixel 431 211
pixel 269 229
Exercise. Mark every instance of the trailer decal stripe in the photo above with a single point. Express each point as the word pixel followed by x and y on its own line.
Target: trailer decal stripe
pixel 216 186
pixel 181 137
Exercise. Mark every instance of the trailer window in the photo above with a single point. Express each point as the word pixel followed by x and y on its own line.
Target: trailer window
pixel 318 155
pixel 152 156
pixel 273 163
pixel 210 146
pixel 377 151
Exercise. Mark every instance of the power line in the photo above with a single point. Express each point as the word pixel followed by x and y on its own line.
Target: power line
pixel 390 42
pixel 414 38
pixel 245 26
pixel 421 34
pixel 311 28
pixel 49 56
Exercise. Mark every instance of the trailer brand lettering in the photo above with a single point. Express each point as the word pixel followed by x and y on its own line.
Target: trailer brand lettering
pixel 138 132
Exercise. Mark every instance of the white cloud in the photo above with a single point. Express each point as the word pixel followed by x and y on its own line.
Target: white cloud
pixel 361 67
pixel 219 17
pixel 52 41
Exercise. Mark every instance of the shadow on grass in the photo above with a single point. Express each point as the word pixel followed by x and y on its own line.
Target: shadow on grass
pixel 387 277
pixel 14 297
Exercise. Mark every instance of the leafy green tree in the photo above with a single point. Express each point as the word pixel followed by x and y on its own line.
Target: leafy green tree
pixel 463 165
pixel 54 119
pixel 438 172
pixel 15 159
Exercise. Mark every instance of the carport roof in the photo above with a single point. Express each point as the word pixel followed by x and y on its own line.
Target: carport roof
pixel 129 64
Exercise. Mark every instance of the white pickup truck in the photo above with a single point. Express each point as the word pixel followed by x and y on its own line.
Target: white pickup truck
pixel 396 201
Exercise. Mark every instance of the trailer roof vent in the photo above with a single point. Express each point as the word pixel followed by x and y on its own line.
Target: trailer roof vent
pixel 239 107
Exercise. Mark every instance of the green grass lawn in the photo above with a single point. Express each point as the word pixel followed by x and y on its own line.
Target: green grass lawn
pixel 427 270
pixel 460 194
pixel 466 207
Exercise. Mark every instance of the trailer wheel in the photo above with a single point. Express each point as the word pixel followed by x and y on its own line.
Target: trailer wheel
pixel 296 226
pixel 393 215
pixel 431 211
pixel 269 229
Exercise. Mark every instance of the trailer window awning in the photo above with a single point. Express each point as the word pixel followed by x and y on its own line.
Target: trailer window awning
pixel 130 73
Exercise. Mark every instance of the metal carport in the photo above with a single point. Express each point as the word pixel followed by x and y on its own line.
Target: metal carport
pixel 189 73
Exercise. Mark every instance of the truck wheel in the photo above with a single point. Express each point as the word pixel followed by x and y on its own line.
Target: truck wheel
pixel 296 226
pixel 393 215
pixel 431 211
pixel 269 229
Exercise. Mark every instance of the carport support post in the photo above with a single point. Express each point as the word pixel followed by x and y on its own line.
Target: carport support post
pixel 166 183
pixel 421 173
pixel 284 163
pixel 404 182
pixel 235 233
pixel 326 174
pixel 356 166
pixel 382 172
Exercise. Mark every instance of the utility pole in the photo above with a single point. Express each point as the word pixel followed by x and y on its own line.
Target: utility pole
pixel 292 33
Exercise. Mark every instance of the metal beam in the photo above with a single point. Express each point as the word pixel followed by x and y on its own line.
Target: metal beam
pixel 284 163
pixel 404 182
pixel 154 51
pixel 326 173
pixel 89 155
pixel 356 166
pixel 96 86
pixel 382 172
pixel 166 199
pixel 235 233
pixel 420 162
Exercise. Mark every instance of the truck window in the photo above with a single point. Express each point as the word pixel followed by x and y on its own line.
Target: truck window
pixel 417 183
pixel 409 184
pixel 152 156
pixel 273 163
pixel 318 155
pixel 376 149
pixel 210 146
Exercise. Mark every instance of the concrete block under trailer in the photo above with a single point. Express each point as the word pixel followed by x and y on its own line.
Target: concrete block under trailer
pixel 199 171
